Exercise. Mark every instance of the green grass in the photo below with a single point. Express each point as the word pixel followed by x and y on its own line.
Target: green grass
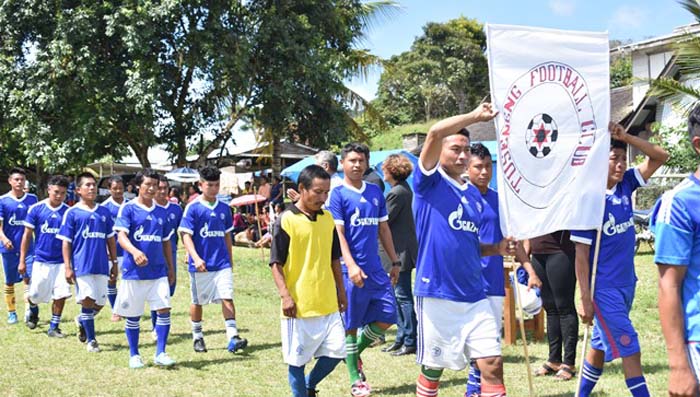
pixel 391 139
pixel 34 365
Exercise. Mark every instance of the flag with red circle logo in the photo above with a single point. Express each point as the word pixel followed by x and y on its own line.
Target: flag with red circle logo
pixel 551 88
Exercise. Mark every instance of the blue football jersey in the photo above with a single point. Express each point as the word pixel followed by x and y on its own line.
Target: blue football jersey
pixel 676 223
pixel 208 225
pixel 490 233
pixel 87 230
pixel 174 212
pixel 113 208
pixel 13 211
pixel 360 211
pixel 46 220
pixel 448 217
pixel 147 229
pixel 616 254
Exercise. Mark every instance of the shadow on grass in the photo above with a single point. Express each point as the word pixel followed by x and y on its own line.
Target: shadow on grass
pixel 200 364
pixel 410 388
pixel 257 347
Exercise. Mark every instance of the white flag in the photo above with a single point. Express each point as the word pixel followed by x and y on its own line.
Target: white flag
pixel 551 88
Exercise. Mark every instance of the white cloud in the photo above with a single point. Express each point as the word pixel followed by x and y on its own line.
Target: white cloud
pixel 628 17
pixel 564 8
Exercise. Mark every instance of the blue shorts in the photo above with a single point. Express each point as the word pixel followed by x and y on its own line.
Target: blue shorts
pixel 10 265
pixel 613 331
pixel 366 306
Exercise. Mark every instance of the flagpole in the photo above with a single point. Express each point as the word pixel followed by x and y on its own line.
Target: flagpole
pixel 588 325
pixel 522 329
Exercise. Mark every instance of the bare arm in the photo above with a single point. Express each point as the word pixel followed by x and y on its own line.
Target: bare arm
pixel 3 238
pixel 229 247
pixel 112 252
pixel 289 307
pixel 583 276
pixel 430 155
pixel 168 253
pixel 139 257
pixel 388 244
pixel 673 328
pixel 67 251
pixel 656 155
pixel 23 248
pixel 339 285
pixel 356 275
pixel 188 242
pixel 524 259
pixel 507 246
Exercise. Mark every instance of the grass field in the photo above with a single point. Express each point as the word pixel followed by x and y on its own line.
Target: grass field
pixel 31 364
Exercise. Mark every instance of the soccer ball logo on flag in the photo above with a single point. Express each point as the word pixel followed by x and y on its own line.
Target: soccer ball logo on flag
pixel 541 135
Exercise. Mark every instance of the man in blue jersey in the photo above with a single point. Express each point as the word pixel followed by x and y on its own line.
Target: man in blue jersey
pixel 206 234
pixel 174 212
pixel 49 278
pixel 455 320
pixel 359 211
pixel 676 222
pixel 480 171
pixel 115 200
pixel 13 209
pixel 147 271
pixel 87 235
pixel 614 335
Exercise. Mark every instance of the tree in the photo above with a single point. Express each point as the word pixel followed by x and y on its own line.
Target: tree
pixel 620 70
pixel 687 52
pixel 445 72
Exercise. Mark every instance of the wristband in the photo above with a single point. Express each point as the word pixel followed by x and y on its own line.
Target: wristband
pixel 396 264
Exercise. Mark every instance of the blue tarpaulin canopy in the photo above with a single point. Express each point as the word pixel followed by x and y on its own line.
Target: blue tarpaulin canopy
pixel 377 158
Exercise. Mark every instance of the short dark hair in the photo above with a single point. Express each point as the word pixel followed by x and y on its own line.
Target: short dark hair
pixel 246 183
pixel 143 174
pixel 17 170
pixel 694 123
pixel 209 173
pixel 311 172
pixel 615 144
pixel 114 179
pixel 84 175
pixel 58 180
pixel 354 147
pixel 464 132
pixel 480 151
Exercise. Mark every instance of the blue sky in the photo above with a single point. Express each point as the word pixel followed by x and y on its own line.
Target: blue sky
pixel 623 20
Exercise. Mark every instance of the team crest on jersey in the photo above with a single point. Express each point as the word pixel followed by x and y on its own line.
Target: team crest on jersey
pixel 375 202
pixel 160 221
pixel 125 305
pixel 300 350
pixel 172 217
pixel 104 218
pixel 222 216
pixel 625 200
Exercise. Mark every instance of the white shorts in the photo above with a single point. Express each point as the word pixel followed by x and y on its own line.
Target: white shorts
pixel 93 286
pixel 134 294
pixel 306 338
pixel 450 333
pixel 48 282
pixel 496 303
pixel 211 287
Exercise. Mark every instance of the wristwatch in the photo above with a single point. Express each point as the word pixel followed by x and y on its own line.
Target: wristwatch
pixel 395 264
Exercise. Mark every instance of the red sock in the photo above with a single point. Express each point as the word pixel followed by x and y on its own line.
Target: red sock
pixel 426 388
pixel 493 390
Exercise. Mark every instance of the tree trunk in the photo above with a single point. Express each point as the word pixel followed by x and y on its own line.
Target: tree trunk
pixel 141 152
pixel 276 155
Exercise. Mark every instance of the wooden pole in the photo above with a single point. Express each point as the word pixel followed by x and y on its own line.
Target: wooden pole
pixel 257 216
pixel 588 326
pixel 522 331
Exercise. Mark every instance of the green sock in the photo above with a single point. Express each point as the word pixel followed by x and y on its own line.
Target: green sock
pixel 432 375
pixel 351 358
pixel 369 334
